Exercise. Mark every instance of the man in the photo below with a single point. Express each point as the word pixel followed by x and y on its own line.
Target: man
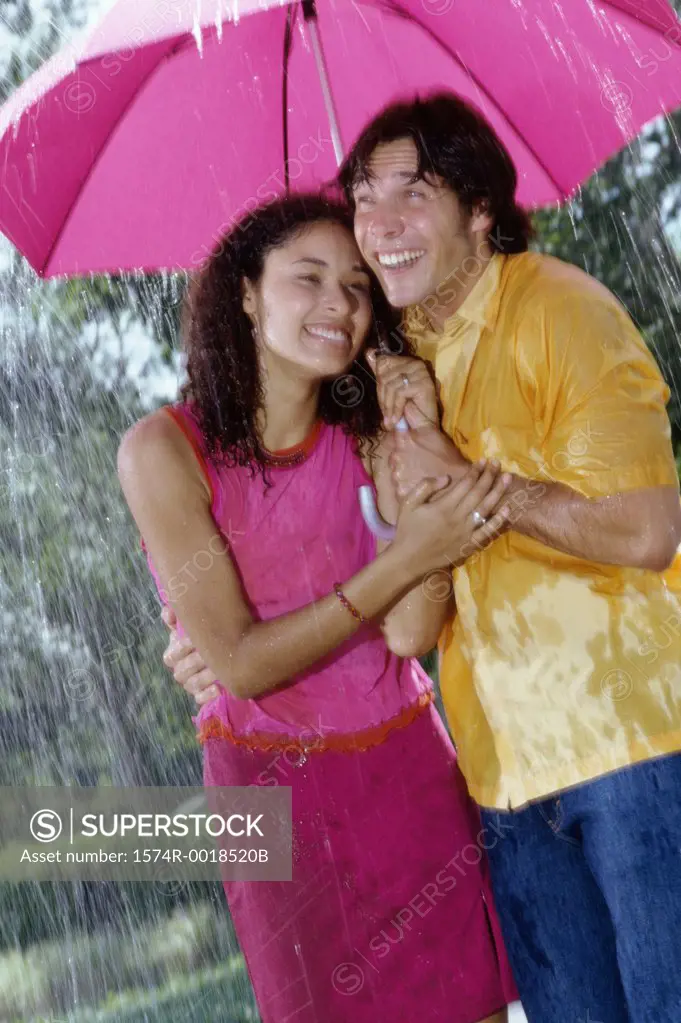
pixel 560 670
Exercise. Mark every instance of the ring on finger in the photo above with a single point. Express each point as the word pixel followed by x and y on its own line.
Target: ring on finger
pixel 478 519
pixel 405 380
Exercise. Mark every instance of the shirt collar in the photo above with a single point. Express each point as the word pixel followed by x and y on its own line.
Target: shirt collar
pixel 481 306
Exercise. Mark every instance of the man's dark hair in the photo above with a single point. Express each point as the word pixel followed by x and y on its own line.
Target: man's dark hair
pixel 456 143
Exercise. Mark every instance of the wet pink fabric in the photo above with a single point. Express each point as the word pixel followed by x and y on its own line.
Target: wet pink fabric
pixel 389 915
pixel 290 544
pixel 139 146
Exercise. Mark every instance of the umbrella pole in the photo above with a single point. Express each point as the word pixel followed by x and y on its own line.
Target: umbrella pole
pixel 367 497
pixel 310 16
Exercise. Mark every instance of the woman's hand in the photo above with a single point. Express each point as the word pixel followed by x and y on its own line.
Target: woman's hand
pixel 401 379
pixel 436 526
pixel 188 667
pixel 427 451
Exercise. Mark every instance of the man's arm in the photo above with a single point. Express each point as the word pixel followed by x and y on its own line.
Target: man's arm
pixel 606 487
pixel 637 529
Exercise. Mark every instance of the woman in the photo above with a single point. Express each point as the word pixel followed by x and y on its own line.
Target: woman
pixel 311 628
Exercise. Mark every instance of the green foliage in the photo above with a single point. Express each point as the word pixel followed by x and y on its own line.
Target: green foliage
pixel 186 999
pixel 82 621
pixel 189 951
pixel 615 229
pixel 121 301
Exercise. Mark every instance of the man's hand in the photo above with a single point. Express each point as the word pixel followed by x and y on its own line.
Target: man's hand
pixel 437 527
pixel 188 667
pixel 401 379
pixel 421 452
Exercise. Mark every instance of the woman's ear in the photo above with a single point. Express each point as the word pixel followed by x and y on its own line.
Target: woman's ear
pixel 248 303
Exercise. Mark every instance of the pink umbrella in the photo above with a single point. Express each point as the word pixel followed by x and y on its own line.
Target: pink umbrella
pixel 139 146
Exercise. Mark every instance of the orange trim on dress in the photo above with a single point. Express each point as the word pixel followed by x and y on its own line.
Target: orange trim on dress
pixel 352 742
pixel 303 447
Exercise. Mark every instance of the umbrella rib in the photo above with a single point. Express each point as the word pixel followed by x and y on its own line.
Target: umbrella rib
pixel 393 7
pixel 174 45
pixel 288 42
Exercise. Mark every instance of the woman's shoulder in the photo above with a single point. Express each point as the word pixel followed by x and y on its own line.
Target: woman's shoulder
pixel 158 430
pixel 151 431
pixel 159 441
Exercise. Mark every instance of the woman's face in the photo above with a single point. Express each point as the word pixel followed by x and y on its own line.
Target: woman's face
pixel 311 306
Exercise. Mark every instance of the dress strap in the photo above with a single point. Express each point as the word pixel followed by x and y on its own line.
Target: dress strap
pixel 190 429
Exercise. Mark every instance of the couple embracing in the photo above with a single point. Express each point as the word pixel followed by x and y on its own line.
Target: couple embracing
pixel 537 516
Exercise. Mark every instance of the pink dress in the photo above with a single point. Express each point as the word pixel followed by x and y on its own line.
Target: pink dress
pixel 389 915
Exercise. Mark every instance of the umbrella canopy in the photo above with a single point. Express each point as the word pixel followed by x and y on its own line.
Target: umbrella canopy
pixel 138 147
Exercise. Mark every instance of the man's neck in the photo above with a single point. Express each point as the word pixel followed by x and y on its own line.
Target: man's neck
pixel 452 292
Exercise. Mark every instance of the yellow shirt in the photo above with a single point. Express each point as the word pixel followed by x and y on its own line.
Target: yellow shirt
pixel 555 670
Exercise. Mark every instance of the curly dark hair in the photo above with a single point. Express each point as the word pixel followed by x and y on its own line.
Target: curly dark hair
pixel 224 382
pixel 456 143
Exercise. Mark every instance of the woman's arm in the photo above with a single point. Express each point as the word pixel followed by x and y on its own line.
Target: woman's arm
pixel 414 622
pixel 170 503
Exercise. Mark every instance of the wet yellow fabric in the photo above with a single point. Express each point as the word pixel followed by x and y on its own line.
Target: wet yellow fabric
pixel 554 670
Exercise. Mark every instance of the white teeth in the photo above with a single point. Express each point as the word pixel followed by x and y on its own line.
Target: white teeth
pixel 329 333
pixel 400 258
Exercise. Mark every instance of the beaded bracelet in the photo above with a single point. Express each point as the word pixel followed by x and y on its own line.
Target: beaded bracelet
pixel 346 603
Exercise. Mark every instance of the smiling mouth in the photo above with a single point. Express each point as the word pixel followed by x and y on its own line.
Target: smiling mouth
pixel 331 335
pixel 404 260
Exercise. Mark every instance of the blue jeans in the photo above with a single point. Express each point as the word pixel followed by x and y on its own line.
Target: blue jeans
pixel 588 891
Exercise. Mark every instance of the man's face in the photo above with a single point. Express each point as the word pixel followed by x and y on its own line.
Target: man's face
pixel 414 234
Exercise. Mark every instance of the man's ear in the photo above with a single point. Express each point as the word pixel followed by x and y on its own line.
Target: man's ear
pixel 248 303
pixel 481 218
